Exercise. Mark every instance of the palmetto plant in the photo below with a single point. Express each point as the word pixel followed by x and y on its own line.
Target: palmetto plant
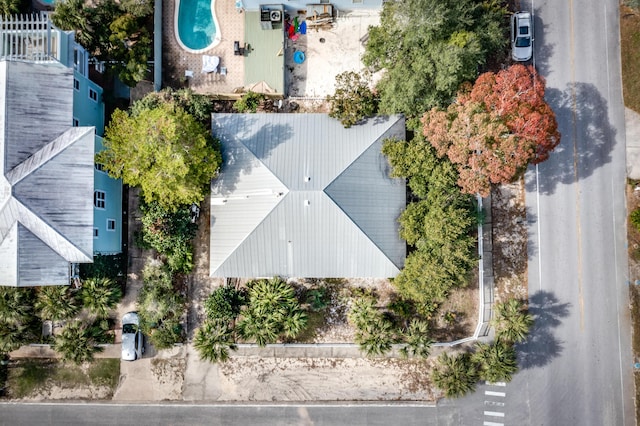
pixel 455 375
pixel 100 295
pixel 56 303
pixel 12 336
pixel 496 362
pixel 417 340
pixel 9 7
pixel 273 310
pixel 512 321
pixel 213 341
pixel 75 343
pixel 15 305
pixel 376 337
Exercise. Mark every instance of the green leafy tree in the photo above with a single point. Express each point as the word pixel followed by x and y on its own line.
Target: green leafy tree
pixel 199 106
pixel 160 307
pixel 512 321
pixel 249 102
pixel 273 311
pixel 100 295
pixel 429 47
pixel 353 100
pixel 213 341
pixel 111 32
pixel 455 375
pixel 164 151
pixel 417 340
pixel 169 233
pixel 224 304
pixel 73 15
pixel 56 303
pixel 130 48
pixel 76 343
pixel 496 361
pixel 138 8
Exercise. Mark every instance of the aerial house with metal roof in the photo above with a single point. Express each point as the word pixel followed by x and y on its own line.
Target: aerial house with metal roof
pixel 301 196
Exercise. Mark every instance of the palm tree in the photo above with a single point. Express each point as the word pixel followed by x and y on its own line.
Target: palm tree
pixel 376 337
pixel 76 343
pixel 262 329
pixel 455 375
pixel 418 342
pixel 512 321
pixel 9 7
pixel 100 295
pixel 12 336
pixel 56 303
pixel 15 305
pixel 273 310
pixel 213 341
pixel 496 362
pixel 363 311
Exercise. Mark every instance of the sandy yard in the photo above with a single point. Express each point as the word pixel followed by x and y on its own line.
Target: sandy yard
pixel 328 53
pixel 307 379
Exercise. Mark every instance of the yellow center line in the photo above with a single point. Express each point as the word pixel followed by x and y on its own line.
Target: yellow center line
pixel 574 117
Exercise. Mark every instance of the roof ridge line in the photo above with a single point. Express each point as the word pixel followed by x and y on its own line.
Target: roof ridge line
pixel 46 153
pixel 64 248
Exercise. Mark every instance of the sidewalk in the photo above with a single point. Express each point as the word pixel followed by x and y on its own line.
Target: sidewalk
pixel 632 128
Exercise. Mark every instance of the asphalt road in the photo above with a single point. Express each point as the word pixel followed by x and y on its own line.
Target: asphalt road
pixel 577 366
pixel 249 415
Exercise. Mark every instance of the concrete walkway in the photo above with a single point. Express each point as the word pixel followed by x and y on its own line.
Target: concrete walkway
pixel 632 128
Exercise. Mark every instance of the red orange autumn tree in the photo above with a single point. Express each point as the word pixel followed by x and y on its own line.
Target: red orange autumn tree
pixel 495 128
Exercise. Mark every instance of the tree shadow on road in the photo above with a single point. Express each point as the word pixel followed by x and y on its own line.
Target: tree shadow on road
pixel 541 346
pixel 587 137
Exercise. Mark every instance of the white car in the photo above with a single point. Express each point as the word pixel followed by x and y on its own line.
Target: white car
pixel 132 337
pixel 521 36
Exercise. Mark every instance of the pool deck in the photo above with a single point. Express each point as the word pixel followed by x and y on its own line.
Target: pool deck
pixel 328 53
pixel 176 60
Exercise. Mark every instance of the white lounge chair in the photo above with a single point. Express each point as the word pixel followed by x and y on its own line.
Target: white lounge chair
pixel 210 64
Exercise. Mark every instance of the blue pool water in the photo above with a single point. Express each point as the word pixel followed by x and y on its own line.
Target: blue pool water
pixel 195 24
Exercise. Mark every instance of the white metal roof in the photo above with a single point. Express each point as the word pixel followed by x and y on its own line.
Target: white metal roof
pixel 299 195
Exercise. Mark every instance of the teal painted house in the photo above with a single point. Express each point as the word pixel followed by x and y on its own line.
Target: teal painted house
pixel 107 210
pixel 35 39
pixel 89 110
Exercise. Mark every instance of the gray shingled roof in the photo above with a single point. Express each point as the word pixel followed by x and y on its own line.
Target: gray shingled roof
pixel 301 196
pixel 46 176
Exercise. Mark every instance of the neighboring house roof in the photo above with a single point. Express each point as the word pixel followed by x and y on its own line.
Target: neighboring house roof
pixel 46 176
pixel 301 196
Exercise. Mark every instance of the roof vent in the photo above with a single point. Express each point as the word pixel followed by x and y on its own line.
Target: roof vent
pixel 307 202
pixel 307 178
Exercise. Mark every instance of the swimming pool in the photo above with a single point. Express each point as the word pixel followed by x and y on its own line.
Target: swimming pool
pixel 196 25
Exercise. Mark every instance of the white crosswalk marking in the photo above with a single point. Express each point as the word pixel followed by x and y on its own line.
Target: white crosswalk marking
pixel 493 414
pixel 493 424
pixel 492 393
pixel 494 403
pixel 503 384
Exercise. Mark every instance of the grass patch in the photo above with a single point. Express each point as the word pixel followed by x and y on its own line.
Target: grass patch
pixel 69 375
pixel 27 376
pixel 105 372
pixel 630 54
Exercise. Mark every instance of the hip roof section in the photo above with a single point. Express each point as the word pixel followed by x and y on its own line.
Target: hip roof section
pixel 299 195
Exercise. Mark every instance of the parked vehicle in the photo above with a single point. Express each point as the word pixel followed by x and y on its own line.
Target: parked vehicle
pixel 132 337
pixel 521 36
